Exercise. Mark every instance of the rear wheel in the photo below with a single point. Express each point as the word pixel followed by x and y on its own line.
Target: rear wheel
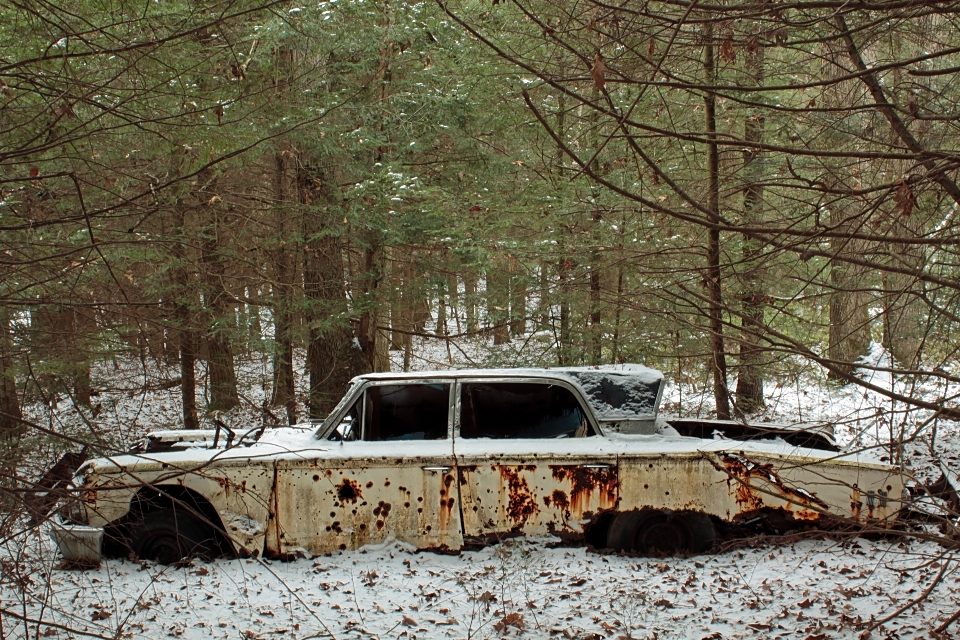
pixel 662 532
pixel 170 535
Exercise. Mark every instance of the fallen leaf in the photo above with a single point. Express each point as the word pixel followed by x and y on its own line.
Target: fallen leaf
pixel 510 620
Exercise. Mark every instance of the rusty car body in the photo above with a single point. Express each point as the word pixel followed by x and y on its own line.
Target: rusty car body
pixel 447 459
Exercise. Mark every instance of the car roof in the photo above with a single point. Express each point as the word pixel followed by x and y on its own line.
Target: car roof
pixel 614 392
pixel 566 373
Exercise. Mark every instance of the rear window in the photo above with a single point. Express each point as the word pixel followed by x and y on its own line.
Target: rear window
pixel 504 410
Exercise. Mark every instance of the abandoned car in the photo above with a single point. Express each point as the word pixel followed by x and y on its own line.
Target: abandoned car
pixel 445 460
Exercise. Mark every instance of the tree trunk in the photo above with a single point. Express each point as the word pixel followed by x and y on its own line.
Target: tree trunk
pixel 333 357
pixel 750 370
pixel 367 332
pixel 718 361
pixel 564 356
pixel 849 317
pixel 595 332
pixel 498 302
pixel 184 298
pixel 518 299
pixel 10 414
pixel 286 196
pixel 220 321
pixel 470 301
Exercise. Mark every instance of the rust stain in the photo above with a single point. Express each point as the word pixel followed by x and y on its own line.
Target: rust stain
pixel 856 503
pixel 382 509
pixel 583 482
pixel 521 503
pixel 560 500
pixel 348 491
pixel 446 507
pixel 740 470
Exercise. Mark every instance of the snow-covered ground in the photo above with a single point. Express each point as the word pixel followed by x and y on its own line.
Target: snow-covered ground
pixel 800 589
pixel 803 588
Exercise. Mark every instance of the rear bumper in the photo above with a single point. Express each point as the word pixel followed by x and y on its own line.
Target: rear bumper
pixel 79 545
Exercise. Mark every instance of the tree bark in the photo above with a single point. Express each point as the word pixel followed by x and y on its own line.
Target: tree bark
pixel 333 357
pixel 718 362
pixel 184 299
pixel 10 414
pixel 750 366
pixel 219 320
pixel 286 196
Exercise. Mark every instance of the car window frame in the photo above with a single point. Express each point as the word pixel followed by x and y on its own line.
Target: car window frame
pixel 360 390
pixel 577 394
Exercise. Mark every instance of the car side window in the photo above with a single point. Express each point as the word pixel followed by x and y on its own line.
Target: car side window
pixel 406 412
pixel 520 410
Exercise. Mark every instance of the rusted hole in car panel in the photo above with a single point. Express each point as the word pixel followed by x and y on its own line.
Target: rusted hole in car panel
pixel 348 491
pixel 386 483
pixel 316 478
pixel 369 484
pixel 379 524
pixel 406 505
pixel 447 480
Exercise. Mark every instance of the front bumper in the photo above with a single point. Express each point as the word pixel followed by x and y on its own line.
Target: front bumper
pixel 79 545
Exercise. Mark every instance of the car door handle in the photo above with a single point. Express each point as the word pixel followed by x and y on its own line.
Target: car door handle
pixel 598 467
pixel 440 469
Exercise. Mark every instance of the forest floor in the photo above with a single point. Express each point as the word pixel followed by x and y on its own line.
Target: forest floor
pixel 810 588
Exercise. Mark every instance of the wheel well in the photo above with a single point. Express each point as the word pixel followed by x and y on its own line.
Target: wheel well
pixel 156 497
pixel 596 533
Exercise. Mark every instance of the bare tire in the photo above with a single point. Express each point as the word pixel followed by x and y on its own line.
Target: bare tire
pixel 171 535
pixel 656 532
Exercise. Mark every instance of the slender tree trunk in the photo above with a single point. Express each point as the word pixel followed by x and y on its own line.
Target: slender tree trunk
pixel 518 299
pixel 372 276
pixel 498 302
pixel 286 197
pixel 441 328
pixel 902 310
pixel 750 370
pixel 566 348
pixel 470 301
pixel 714 288
pixel 10 414
pixel 595 331
pixel 184 296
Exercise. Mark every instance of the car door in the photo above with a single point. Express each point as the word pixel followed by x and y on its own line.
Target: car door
pixel 385 470
pixel 530 459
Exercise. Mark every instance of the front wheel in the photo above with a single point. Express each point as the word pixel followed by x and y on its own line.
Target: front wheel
pixel 654 532
pixel 171 535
